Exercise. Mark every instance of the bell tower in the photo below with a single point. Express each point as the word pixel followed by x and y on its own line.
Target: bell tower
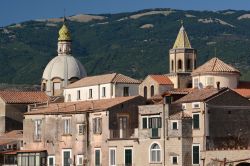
pixel 182 61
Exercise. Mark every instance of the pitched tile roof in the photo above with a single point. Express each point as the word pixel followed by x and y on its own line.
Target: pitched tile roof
pixel 104 79
pixel 181 91
pixel 161 79
pixel 23 97
pixel 215 65
pixel 179 115
pixel 182 40
pixel 83 106
pixel 243 92
pixel 11 136
pixel 200 95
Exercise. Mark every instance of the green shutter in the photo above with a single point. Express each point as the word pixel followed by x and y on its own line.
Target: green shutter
pixel 97 158
pixel 144 123
pixel 128 157
pixel 196 121
pixel 196 154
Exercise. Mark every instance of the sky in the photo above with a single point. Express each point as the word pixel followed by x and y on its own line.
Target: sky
pixel 16 11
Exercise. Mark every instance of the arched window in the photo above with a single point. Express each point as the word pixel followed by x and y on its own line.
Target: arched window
pixel 179 64
pixel 152 89
pixel 145 92
pixel 155 153
pixel 172 65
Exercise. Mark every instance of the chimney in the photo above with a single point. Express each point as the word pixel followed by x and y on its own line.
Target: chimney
pixel 218 85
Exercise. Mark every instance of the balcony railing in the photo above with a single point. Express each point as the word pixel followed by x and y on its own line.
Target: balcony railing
pixel 155 133
pixel 121 133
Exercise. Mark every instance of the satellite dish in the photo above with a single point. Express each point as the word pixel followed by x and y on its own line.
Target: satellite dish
pixel 200 85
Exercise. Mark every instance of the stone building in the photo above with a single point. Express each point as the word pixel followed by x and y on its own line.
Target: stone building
pixel 104 86
pixel 13 104
pixel 10 143
pixel 64 69
pixel 214 71
pixel 220 121
pixel 77 133
pixel 182 61
pixel 155 85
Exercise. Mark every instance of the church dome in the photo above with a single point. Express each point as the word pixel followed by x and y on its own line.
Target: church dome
pixel 64 67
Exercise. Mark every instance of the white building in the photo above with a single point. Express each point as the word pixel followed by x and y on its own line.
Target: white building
pixel 63 69
pixel 101 87
pixel 215 71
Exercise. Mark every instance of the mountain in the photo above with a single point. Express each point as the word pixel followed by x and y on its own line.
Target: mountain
pixel 134 44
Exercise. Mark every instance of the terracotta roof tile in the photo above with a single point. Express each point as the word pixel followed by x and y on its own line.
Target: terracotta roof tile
pixel 243 92
pixel 179 115
pixel 24 97
pixel 200 95
pixel 11 136
pixel 82 106
pixel 161 79
pixel 215 65
pixel 181 91
pixel 103 79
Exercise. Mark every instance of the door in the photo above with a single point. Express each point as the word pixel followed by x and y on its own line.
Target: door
pixel 128 157
pixel 123 125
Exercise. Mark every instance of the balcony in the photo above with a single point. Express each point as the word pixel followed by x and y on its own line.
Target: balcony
pixel 121 133
pixel 155 133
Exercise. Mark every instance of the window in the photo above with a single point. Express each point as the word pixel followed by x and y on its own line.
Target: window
pixel 128 157
pixel 66 157
pixel 97 157
pixel 174 159
pixel 196 105
pixel 81 129
pixel 196 154
pixel 125 91
pixel 145 92
pixel 209 81
pixel 78 94
pixel 66 126
pixel 51 160
pixel 184 106
pixel 154 122
pixel 112 156
pixel 174 125
pixel 69 97
pixel 179 64
pixel 38 130
pixel 196 82
pixel 196 121
pixel 152 89
pixel 97 125
pixel 44 87
pixel 103 92
pixel 90 93
pixel 172 65
pixel 145 123
pixel 155 153
pixel 57 85
pixel 79 160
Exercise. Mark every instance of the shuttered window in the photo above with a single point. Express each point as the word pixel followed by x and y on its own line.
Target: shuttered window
pixel 196 121
pixel 196 154
pixel 97 125
pixel 144 123
pixel 155 122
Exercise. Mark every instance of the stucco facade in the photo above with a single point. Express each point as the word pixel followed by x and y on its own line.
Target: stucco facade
pixel 150 87
pixel 99 91
pixel 226 80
